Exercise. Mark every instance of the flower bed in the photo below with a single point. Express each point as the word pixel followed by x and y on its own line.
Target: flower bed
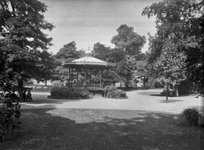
pixel 68 93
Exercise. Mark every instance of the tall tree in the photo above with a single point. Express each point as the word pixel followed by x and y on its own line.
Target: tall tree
pixel 67 53
pixel 177 21
pixel 21 25
pixel 129 44
pixel 128 40
pixel 100 51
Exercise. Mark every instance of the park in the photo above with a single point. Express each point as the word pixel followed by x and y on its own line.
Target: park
pixel 131 89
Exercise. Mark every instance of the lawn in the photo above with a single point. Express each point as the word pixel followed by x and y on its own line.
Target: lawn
pixel 100 129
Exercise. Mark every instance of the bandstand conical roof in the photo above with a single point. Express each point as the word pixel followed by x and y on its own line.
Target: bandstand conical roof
pixel 88 61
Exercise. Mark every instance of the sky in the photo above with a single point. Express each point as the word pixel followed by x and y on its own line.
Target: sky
pixel 90 21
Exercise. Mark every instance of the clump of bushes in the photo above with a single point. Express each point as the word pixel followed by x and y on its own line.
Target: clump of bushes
pixel 191 116
pixel 95 90
pixel 68 93
pixel 113 92
pixel 9 118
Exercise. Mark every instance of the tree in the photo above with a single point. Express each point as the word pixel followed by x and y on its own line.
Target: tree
pixel 69 52
pixel 21 25
pixel 140 65
pixel 100 51
pixel 129 44
pixel 176 23
pixel 128 40
pixel 66 54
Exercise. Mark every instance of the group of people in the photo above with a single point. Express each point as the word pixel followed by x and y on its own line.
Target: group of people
pixel 27 97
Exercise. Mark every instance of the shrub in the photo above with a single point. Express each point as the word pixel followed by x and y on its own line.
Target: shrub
pixel 187 87
pixel 70 93
pixel 56 83
pixel 95 90
pixel 9 118
pixel 113 92
pixel 191 116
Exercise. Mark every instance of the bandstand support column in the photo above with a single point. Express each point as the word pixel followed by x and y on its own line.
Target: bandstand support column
pixel 85 77
pixel 77 77
pixel 101 78
pixel 90 76
pixel 69 78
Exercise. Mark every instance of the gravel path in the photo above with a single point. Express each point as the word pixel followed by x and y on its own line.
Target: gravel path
pixel 137 100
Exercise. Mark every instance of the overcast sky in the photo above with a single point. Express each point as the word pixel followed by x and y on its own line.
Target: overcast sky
pixel 90 21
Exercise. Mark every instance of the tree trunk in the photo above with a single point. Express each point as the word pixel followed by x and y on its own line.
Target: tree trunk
pixel 45 82
pixel 144 80
pixel 126 84
pixel 20 88
pixel 176 90
pixel 167 92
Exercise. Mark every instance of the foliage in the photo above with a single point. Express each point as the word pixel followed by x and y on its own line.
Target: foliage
pixel 68 93
pixel 191 116
pixel 100 51
pixel 129 44
pixel 177 41
pixel 67 53
pixel 23 42
pixel 171 64
pixel 56 84
pixel 113 92
pixel 187 87
pixel 128 40
pixel 124 71
pixel 9 118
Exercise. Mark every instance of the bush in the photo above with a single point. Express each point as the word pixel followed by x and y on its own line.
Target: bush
pixel 56 83
pixel 113 92
pixel 191 116
pixel 95 90
pixel 9 118
pixel 187 87
pixel 69 93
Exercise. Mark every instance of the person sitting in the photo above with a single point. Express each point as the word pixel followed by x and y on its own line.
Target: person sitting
pixel 24 96
pixel 13 96
pixel 29 96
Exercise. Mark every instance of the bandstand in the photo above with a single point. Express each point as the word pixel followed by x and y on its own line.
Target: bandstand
pixel 86 65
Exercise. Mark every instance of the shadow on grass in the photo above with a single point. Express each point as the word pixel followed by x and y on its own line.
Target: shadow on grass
pixel 170 101
pixel 88 129
pixel 150 93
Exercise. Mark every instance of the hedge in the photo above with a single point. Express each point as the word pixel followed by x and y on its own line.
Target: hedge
pixel 68 93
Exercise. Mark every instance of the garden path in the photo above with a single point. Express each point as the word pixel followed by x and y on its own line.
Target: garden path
pixel 147 100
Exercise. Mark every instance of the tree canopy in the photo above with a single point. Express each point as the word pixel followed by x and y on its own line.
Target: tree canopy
pixel 128 40
pixel 178 38
pixel 100 51
pixel 23 43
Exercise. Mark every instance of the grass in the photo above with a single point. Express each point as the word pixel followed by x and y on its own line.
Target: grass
pixel 90 129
